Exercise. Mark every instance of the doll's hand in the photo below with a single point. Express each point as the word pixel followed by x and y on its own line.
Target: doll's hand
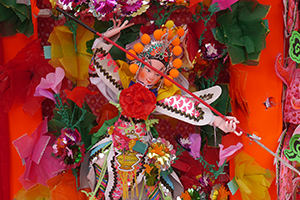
pixel 228 125
pixel 116 29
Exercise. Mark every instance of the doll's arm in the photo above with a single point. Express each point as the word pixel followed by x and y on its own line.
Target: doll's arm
pixel 188 109
pixel 104 71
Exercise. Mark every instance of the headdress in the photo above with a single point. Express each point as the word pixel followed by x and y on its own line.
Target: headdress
pixel 163 46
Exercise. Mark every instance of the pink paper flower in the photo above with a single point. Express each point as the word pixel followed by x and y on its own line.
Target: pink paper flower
pixel 224 4
pixel 225 153
pixel 52 81
pixel 35 151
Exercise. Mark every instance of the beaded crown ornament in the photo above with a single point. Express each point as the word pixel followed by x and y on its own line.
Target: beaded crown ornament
pixel 165 47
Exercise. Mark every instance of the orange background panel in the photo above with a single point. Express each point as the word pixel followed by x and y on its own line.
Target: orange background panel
pixel 20 123
pixel 259 83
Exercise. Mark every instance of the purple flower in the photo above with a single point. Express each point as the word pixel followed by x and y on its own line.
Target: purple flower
pixel 104 6
pixel 130 6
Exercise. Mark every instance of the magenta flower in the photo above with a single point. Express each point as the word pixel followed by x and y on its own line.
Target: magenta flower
pixel 224 4
pixel 69 148
pixel 52 81
pixel 104 6
pixel 35 151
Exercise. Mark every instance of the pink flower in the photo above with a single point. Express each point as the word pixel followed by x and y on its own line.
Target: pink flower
pixel 225 153
pixel 36 151
pixel 52 81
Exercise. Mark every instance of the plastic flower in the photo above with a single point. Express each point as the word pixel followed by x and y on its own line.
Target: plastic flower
pixel 36 153
pixel 52 81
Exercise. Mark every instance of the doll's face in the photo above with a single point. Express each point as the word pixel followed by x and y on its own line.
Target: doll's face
pixel 148 76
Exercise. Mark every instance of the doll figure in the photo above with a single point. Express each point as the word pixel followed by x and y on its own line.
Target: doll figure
pixel 130 161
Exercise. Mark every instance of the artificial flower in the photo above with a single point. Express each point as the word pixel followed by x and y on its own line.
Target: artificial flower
pixel 21 75
pixel 38 192
pixel 137 101
pixel 130 6
pixel 68 51
pixel 244 31
pixel 77 95
pixel 148 168
pixel 52 81
pixel 192 144
pixel 185 196
pixel 225 153
pixel 224 4
pixel 68 146
pixel 161 153
pixel 195 145
pixel 63 186
pixel 252 179
pixel 36 153
pixel 223 193
pixel 104 7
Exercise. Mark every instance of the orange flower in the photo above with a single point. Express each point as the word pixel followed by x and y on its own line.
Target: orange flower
pixel 223 193
pixel 185 196
pixel 158 150
pixel 148 168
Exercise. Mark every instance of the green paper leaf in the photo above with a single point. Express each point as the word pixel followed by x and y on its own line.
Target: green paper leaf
pixel 249 44
pixel 54 126
pixel 237 54
pixel 102 131
pixel 244 31
pixel 233 186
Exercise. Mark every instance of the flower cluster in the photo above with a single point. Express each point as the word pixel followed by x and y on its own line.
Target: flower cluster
pixel 69 147
pixel 206 191
pixel 101 8
pixel 161 153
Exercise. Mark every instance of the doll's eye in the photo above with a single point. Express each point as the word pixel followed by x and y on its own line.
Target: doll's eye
pixel 148 70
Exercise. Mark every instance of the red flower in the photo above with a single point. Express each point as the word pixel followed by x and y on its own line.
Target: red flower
pixel 77 94
pixel 137 101
pixel 20 76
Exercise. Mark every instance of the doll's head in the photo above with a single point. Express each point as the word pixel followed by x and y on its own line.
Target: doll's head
pixel 148 76
pixel 162 51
